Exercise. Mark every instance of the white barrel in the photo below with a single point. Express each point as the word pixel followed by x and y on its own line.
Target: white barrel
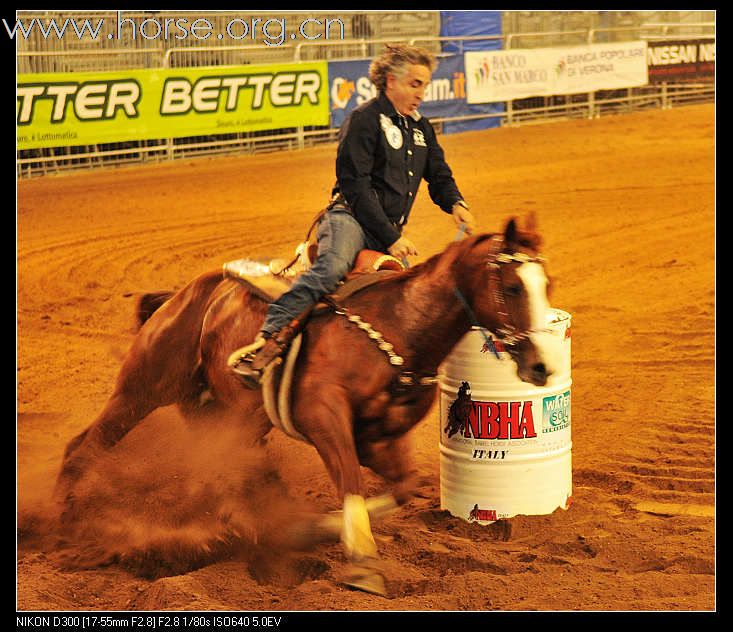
pixel 509 449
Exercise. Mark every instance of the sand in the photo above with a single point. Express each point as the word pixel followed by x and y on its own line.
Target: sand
pixel 626 207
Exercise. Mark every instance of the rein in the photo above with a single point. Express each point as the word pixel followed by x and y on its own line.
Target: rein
pixel 467 308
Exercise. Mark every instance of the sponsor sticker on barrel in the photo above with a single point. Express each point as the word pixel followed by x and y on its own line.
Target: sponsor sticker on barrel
pixel 556 412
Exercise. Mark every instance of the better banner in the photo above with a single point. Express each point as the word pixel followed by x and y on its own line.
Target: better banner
pixel 681 60
pixel 445 96
pixel 86 108
pixel 516 74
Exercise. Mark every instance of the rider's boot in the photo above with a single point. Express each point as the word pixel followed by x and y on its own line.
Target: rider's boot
pixel 250 362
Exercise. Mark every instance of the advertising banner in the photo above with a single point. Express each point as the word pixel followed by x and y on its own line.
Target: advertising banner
pixel 470 24
pixel 350 86
pixel 85 108
pixel 681 60
pixel 516 74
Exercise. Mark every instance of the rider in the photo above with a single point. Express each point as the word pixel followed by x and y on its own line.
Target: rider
pixel 385 148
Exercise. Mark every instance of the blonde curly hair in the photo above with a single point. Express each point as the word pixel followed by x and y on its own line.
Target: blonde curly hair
pixel 395 59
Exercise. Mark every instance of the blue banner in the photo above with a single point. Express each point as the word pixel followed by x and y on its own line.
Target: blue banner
pixel 458 23
pixel 350 86
pixel 472 23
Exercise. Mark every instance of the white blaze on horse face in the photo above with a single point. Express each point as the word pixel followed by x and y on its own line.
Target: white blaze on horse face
pixel 535 283
pixel 532 275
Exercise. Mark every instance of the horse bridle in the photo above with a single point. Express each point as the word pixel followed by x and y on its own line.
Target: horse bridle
pixel 507 332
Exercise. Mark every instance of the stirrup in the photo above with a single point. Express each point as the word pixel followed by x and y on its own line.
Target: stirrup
pixel 240 362
pixel 245 354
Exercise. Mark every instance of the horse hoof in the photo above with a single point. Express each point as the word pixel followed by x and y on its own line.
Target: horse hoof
pixel 366 579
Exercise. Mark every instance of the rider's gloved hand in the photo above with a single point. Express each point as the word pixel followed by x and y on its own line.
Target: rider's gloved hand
pixel 461 215
pixel 402 248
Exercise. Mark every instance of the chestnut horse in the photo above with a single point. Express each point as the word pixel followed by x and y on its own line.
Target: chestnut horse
pixel 350 402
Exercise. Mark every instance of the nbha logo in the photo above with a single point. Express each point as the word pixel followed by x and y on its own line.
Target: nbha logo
pixel 489 420
pixel 500 420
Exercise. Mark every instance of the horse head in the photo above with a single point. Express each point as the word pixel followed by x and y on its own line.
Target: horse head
pixel 508 288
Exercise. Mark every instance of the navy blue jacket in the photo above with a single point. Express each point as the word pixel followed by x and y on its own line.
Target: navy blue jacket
pixel 381 159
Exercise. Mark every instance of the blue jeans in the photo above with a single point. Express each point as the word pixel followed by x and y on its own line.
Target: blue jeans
pixel 340 238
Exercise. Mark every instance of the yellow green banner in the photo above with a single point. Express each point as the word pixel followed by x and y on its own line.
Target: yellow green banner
pixel 87 108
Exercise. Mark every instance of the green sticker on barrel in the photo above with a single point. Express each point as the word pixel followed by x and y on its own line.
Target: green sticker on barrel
pixel 556 412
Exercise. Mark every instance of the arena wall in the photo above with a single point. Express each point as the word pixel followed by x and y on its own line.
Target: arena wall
pixel 352 39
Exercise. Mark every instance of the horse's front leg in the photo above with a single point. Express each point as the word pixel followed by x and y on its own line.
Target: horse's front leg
pixel 391 459
pixel 327 423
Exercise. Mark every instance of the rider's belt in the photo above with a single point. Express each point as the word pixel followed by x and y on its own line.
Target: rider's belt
pixel 338 203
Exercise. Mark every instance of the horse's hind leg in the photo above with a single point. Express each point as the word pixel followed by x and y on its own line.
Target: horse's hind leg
pixel 123 411
pixel 157 371
pixel 142 386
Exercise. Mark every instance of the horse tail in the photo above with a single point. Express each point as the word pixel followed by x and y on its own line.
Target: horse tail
pixel 148 303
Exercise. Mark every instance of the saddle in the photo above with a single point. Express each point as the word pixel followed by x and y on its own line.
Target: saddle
pixel 272 279
pixel 269 281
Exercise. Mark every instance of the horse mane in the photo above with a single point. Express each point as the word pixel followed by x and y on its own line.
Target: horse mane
pixel 448 258
pixel 525 237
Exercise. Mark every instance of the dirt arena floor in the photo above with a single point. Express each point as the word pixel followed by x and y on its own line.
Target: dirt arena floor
pixel 626 207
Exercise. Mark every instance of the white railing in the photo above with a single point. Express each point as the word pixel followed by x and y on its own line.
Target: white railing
pixel 663 30
pixel 363 44
pixel 211 49
pixel 514 36
pixel 48 61
pixel 457 38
